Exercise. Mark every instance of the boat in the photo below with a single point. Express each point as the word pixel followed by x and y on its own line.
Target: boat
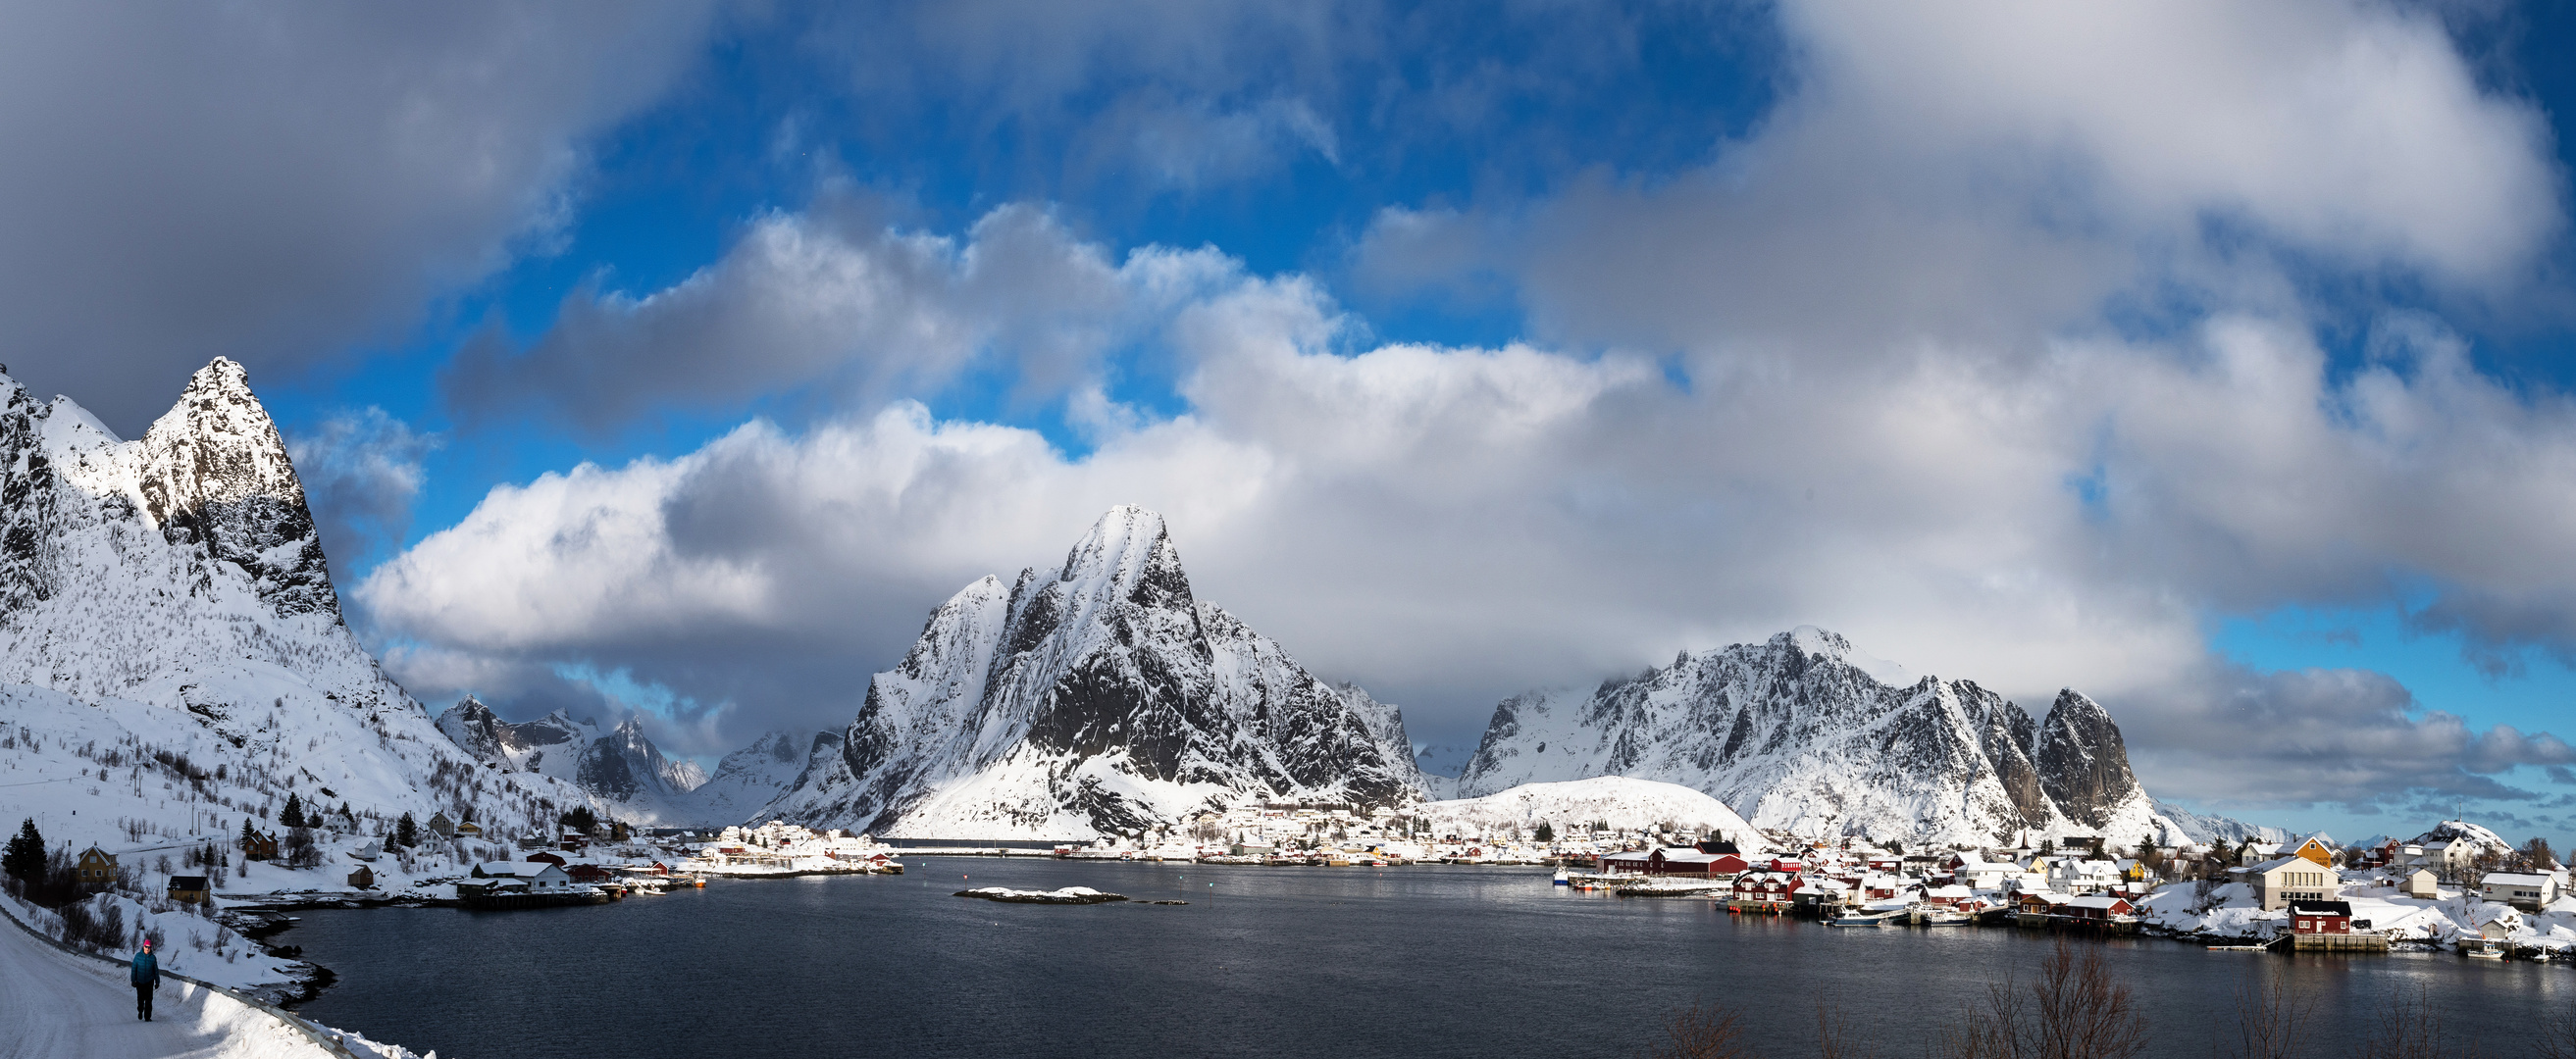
pixel 1858 920
pixel 1561 879
pixel 1946 917
pixel 2482 950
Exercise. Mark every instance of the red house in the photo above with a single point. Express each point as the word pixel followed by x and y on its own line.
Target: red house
pixel 1683 860
pixel 1767 890
pixel 587 873
pixel 2098 907
pixel 2321 917
pixel 555 859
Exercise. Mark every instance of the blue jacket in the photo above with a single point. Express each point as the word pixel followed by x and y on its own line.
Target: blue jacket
pixel 147 971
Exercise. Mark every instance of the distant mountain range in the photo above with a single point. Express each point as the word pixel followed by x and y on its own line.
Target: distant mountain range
pixel 1803 733
pixel 182 572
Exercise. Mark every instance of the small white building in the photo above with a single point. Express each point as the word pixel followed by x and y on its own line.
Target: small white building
pixel 2420 884
pixel 2523 890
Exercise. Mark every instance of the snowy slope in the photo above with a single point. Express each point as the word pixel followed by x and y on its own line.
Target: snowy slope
pixel 1623 803
pixel 169 596
pixel 1804 734
pixel 1095 697
pixel 2210 828
pixel 747 780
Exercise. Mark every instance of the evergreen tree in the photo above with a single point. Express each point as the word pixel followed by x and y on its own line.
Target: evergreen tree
pixel 1546 832
pixel 25 858
pixel 293 814
pixel 406 832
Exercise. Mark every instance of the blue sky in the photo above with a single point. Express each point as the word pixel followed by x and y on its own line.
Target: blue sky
pixel 1469 350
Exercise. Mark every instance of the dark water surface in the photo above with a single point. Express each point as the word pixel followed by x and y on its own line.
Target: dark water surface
pixel 1339 962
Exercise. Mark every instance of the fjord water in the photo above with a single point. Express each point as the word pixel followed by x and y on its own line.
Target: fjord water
pixel 1338 962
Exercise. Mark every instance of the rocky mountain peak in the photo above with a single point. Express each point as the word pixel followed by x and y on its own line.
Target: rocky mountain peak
pixel 1102 698
pixel 1127 555
pixel 1805 732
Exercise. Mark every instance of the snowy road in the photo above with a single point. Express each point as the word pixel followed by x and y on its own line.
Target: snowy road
pixel 55 1005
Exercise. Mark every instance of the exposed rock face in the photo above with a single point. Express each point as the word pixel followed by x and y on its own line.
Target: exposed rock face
pixel 182 571
pixel 1801 733
pixel 1099 696
pixel 2083 765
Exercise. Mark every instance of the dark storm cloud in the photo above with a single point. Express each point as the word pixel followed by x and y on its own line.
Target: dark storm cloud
pixel 272 181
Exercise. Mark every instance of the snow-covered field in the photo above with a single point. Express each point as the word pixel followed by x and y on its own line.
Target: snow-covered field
pixel 1624 804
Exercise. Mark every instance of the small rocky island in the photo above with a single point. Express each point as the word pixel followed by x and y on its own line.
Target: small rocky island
pixel 1071 895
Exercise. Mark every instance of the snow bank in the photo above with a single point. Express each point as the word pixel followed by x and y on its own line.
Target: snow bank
pixel 1624 803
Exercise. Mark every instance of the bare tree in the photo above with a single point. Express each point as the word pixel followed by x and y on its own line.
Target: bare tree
pixel 2412 1027
pixel 1702 1031
pixel 2074 1011
pixel 2271 1017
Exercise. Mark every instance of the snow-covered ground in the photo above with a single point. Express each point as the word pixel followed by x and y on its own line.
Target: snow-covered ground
pixel 2232 911
pixel 1624 804
pixel 60 1004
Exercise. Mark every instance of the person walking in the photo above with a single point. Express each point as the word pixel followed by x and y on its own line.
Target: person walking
pixel 147 977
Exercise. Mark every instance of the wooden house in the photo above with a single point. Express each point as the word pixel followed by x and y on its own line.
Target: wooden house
pixel 96 867
pixel 363 878
pixel 2099 908
pixel 259 845
pixel 2321 917
pixel 2315 850
pixel 190 889
pixel 1684 860
pixel 441 826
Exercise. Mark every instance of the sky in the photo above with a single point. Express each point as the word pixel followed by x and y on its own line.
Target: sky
pixel 675 358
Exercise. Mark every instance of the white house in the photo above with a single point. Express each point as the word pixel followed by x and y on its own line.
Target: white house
pixel 2419 883
pixel 536 875
pixel 2527 891
pixel 2282 880
pixel 1982 874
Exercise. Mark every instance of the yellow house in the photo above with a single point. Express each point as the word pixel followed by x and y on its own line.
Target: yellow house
pixel 97 867
pixel 2315 851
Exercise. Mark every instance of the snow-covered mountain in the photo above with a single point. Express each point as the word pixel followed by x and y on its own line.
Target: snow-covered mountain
pixel 1623 803
pixel 1095 697
pixel 620 769
pixel 1802 733
pixel 750 778
pixel 2212 829
pixel 168 596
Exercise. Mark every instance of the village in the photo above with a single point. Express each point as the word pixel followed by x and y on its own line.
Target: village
pixel 2456 887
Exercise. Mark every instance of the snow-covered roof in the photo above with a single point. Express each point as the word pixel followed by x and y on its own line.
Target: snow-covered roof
pixel 2095 901
pixel 2515 878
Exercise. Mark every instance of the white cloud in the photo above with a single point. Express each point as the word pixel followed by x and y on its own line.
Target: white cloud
pixel 1900 410
pixel 833 299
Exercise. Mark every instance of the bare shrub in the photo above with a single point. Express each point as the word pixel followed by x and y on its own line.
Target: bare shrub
pixel 2271 1017
pixel 1702 1031
pixel 2074 1011
pixel 2413 1027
